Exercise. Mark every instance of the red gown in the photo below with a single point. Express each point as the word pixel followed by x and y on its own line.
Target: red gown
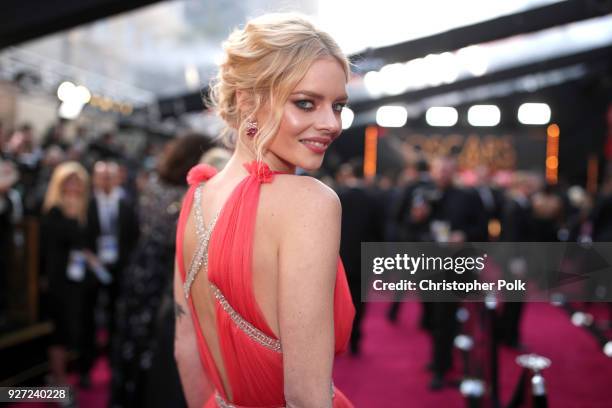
pixel 252 355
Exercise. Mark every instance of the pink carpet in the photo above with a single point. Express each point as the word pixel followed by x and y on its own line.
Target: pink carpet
pixel 390 372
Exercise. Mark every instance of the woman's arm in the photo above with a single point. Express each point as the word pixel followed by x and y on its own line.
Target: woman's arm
pixel 196 386
pixel 308 256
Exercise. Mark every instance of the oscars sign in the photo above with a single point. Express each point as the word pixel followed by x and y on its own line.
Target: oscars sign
pixel 495 152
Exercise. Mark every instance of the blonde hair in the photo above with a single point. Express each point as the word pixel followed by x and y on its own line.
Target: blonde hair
pixel 266 60
pixel 53 196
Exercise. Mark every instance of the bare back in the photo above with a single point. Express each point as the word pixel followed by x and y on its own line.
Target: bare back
pixel 231 249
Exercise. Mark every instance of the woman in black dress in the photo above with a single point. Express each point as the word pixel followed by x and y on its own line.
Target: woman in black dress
pixel 143 349
pixel 64 262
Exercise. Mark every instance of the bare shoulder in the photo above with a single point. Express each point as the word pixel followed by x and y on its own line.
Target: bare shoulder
pixel 298 196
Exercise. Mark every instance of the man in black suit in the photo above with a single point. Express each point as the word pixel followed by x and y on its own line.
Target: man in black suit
pixel 454 215
pixel 414 197
pixel 409 214
pixel 492 198
pixel 112 233
pixel 517 226
pixel 362 221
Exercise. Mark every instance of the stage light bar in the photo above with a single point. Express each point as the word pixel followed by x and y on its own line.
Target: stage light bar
pixel 391 116
pixel 444 116
pixel 484 115
pixel 534 114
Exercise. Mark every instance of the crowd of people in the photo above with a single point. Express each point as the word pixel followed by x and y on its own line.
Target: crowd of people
pixel 436 202
pixel 107 247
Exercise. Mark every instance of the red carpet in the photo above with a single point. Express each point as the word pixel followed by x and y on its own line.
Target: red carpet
pixel 390 372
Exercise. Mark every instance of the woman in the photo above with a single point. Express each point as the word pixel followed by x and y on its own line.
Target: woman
pixel 257 258
pixel 64 260
pixel 148 276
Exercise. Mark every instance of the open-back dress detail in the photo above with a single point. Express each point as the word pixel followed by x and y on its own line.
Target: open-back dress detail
pixel 251 353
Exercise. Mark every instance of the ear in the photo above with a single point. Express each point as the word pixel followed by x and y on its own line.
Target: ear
pixel 244 100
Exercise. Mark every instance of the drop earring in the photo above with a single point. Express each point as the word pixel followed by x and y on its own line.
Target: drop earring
pixel 251 129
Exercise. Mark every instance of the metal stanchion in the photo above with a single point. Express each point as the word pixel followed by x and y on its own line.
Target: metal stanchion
pixel 479 352
pixel 537 391
pixel 586 321
pixel 492 371
pixel 473 390
pixel 465 344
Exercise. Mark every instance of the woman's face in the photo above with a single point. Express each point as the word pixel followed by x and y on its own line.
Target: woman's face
pixel 311 118
pixel 73 187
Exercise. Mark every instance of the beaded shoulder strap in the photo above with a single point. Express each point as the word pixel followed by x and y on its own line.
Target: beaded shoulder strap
pixel 200 259
pixel 247 328
pixel 200 262
pixel 196 177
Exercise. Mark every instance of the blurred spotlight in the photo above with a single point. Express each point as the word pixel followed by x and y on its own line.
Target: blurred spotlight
pixel 82 94
pixel 370 152
pixel 440 68
pixel 608 349
pixel 534 114
pixel 552 153
pixel 347 117
pixel 416 73
pixel 552 162
pixel 391 78
pixel 484 115
pixel 372 81
pixel 494 228
pixel 449 67
pixel 73 99
pixel 70 110
pixel 474 60
pixel 431 61
pixel 65 90
pixel 391 116
pixel 68 92
pixel 441 116
pixel 553 130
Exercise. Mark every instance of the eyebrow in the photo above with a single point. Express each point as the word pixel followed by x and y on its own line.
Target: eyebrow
pixel 318 96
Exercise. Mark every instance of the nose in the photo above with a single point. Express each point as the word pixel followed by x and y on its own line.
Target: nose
pixel 329 121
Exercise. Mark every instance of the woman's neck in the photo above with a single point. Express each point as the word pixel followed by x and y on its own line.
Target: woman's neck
pixel 246 154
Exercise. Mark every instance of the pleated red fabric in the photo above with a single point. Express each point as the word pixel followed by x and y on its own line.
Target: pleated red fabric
pixel 254 370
